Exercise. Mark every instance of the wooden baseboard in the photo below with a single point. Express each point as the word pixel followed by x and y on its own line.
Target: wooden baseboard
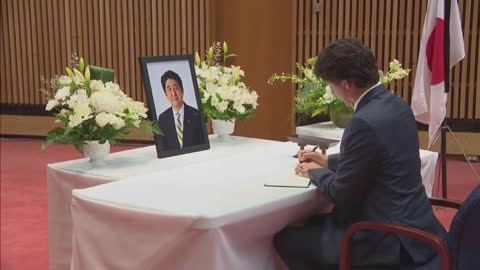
pixel 470 142
pixel 38 126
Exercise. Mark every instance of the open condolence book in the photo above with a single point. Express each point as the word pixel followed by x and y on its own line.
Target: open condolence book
pixel 290 180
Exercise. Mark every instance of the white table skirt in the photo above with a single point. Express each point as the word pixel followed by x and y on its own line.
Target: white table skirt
pixel 63 177
pixel 213 215
pixel 66 176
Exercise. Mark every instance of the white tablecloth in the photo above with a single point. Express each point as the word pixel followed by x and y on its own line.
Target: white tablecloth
pixel 212 215
pixel 77 174
pixel 220 207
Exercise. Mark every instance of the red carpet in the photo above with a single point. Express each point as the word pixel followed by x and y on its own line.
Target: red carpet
pixel 24 238
pixel 24 233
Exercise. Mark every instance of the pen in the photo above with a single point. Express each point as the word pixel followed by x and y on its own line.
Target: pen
pixel 313 150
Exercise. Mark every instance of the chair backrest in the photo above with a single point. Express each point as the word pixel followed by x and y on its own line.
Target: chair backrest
pixel 464 234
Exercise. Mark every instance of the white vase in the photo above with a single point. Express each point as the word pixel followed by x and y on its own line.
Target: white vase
pixel 96 151
pixel 223 128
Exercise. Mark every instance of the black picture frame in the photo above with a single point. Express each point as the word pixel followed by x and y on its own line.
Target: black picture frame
pixel 152 70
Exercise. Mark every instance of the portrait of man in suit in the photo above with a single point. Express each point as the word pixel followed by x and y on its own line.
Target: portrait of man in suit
pixel 181 124
pixel 175 103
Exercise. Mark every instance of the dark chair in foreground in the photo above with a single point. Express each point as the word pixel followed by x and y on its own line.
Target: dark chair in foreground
pixel 461 251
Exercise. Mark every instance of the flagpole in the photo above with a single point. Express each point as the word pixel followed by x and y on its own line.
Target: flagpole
pixel 444 127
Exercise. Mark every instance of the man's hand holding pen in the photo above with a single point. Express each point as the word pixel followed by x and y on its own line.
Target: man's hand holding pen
pixel 310 159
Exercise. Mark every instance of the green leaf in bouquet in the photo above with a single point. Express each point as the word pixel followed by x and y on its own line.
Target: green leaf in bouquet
pixel 67 130
pixel 62 118
pixel 78 145
pixel 54 136
pixel 230 55
pixel 151 128
pixel 307 89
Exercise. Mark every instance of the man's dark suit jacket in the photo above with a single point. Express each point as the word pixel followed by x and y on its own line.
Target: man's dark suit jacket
pixel 193 133
pixel 376 177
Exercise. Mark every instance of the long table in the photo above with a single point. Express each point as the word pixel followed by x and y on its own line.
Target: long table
pixel 213 215
pixel 206 209
pixel 63 177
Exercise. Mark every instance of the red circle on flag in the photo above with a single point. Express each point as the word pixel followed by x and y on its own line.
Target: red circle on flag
pixel 435 52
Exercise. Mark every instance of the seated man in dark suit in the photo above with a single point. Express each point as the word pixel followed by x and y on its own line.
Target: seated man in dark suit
pixel 375 177
pixel 181 124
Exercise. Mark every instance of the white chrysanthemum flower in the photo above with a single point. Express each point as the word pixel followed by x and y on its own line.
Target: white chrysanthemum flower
pixel 102 119
pixel 72 101
pixel 118 123
pixel 75 120
pixel 97 85
pixel 239 107
pixel 137 108
pixel 82 110
pixel 221 106
pixel 114 89
pixel 51 104
pixel 62 93
pixel 106 101
pixel 64 80
pixel 82 97
pixel 214 100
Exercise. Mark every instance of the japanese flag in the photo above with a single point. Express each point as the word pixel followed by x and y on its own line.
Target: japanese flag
pixel 429 98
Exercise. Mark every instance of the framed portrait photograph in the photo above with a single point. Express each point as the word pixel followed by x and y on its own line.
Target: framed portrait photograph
pixel 174 101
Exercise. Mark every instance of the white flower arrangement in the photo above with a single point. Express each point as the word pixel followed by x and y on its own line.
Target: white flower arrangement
pixel 224 95
pixel 92 110
pixel 315 96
